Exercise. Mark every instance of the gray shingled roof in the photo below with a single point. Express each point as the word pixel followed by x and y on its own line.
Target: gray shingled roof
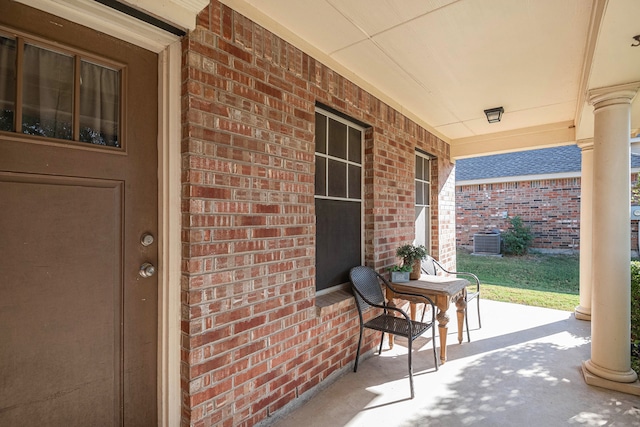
pixel 533 162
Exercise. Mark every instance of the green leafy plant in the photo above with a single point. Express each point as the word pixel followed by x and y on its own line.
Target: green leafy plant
pixel 403 268
pixel 635 192
pixel 635 315
pixel 410 254
pixel 518 238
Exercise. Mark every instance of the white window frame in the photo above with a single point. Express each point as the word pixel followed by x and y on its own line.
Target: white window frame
pixel 427 204
pixel 362 187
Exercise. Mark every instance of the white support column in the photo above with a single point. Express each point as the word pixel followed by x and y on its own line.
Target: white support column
pixel 610 362
pixel 583 311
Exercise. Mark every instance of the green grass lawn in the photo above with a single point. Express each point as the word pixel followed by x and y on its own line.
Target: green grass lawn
pixel 539 280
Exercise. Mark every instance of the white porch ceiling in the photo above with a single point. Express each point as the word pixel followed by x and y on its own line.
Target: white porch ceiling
pixel 442 62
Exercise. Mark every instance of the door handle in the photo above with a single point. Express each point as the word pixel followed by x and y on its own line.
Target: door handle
pixel 147 270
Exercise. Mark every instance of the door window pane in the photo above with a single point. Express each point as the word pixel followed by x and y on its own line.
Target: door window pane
pixel 99 105
pixel 48 93
pixel 7 83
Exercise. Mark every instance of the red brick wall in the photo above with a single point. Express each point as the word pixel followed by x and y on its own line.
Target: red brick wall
pixel 252 339
pixel 444 213
pixel 550 207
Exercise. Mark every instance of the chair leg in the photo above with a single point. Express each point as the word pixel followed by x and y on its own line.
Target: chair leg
pixel 381 341
pixel 466 321
pixel 479 322
pixel 410 367
pixel 433 339
pixel 355 366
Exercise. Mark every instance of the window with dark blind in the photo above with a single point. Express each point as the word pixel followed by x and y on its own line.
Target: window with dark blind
pixel 338 199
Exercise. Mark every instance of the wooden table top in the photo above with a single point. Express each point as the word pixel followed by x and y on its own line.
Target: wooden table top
pixel 447 285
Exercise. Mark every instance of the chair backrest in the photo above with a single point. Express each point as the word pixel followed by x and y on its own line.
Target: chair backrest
pixel 366 285
pixel 428 266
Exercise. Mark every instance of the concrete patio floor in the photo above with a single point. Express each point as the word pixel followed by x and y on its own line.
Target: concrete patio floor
pixel 522 368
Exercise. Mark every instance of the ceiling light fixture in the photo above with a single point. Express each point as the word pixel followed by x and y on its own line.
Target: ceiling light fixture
pixel 494 115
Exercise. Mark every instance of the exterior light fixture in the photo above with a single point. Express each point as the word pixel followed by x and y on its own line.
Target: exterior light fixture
pixel 494 114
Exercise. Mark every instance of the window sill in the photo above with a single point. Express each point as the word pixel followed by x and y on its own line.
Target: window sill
pixel 336 301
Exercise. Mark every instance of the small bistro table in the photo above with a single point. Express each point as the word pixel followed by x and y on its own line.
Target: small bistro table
pixel 442 290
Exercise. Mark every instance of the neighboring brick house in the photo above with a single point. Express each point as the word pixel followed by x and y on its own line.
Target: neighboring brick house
pixel 541 186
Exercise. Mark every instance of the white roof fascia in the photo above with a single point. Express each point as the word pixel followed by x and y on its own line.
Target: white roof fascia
pixel 519 178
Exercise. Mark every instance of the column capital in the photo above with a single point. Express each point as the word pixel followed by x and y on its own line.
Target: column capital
pixel 585 144
pixel 619 94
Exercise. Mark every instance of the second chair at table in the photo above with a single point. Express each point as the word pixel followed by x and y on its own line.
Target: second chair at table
pixel 431 266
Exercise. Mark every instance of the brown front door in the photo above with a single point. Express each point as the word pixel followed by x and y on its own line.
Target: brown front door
pixel 78 323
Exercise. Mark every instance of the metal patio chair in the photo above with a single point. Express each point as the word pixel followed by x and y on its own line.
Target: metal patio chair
pixel 366 284
pixel 431 266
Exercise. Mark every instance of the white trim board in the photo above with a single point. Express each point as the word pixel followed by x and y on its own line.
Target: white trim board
pixel 520 178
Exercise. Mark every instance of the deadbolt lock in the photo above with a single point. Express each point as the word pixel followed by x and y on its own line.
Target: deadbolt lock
pixel 147 239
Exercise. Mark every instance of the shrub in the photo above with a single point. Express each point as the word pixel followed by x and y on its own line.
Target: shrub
pixel 518 238
pixel 635 314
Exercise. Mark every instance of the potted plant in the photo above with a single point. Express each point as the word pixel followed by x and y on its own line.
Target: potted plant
pixel 400 273
pixel 412 256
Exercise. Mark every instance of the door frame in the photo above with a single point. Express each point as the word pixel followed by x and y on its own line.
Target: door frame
pixel 169 50
pixel 169 235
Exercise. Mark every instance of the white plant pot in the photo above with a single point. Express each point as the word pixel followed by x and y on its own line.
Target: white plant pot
pixel 399 276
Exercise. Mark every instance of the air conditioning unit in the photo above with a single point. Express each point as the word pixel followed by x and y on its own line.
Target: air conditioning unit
pixel 486 244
